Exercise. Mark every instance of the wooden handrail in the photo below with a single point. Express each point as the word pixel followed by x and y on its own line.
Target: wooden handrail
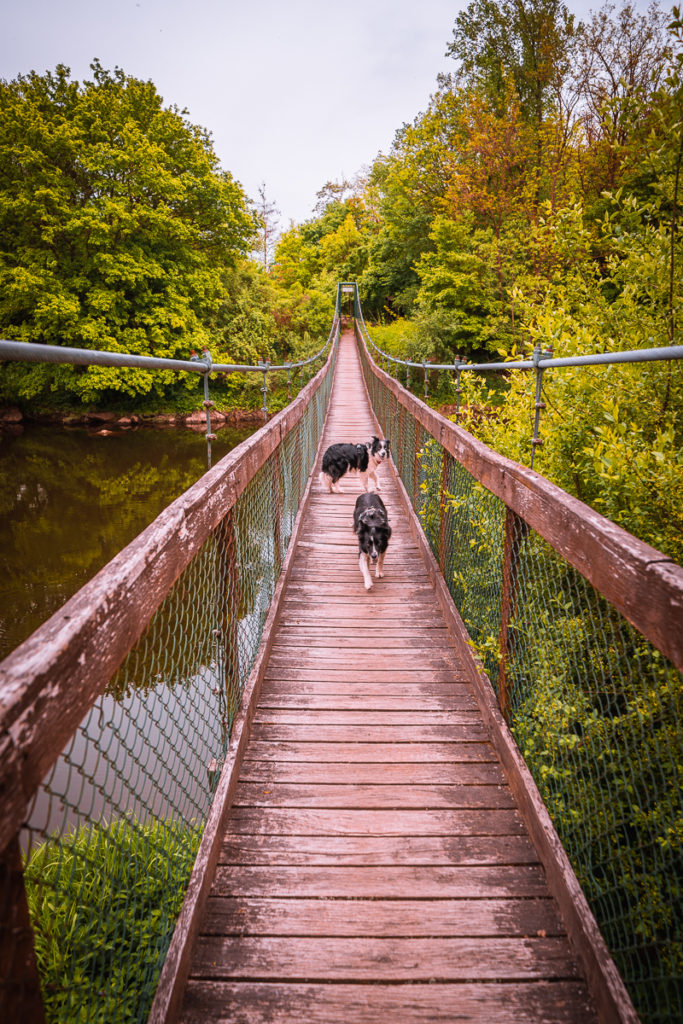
pixel 51 680
pixel 643 584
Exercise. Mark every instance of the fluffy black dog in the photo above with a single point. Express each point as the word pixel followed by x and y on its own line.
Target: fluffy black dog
pixel 339 459
pixel 371 524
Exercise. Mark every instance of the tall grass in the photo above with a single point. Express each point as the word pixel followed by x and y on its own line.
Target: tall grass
pixel 103 902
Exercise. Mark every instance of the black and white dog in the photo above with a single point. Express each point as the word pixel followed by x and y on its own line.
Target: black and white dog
pixel 339 459
pixel 371 523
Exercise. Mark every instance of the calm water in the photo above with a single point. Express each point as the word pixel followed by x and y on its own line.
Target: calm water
pixel 70 499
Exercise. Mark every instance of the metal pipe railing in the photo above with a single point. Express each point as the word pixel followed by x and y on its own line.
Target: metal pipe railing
pixel 541 360
pixel 115 719
pixel 578 626
pixel 30 352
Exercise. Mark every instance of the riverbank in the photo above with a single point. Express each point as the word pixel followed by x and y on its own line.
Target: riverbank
pixel 12 418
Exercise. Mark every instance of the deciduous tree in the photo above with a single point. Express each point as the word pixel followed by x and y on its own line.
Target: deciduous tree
pixel 115 224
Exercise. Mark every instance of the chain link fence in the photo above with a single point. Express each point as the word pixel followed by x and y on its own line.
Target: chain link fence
pixel 109 840
pixel 596 710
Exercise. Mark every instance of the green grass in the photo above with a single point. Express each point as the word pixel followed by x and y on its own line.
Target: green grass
pixel 103 903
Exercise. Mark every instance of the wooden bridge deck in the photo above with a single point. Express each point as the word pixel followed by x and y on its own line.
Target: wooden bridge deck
pixel 374 865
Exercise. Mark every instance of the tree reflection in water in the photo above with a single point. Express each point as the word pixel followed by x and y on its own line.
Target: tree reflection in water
pixel 71 499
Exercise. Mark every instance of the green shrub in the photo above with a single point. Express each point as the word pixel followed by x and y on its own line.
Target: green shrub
pixel 103 902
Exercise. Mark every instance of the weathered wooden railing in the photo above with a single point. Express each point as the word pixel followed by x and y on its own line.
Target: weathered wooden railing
pixel 579 627
pixel 115 718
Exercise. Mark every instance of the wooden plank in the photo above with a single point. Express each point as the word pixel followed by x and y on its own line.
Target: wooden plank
pixel 395 753
pixel 357 643
pixel 372 716
pixel 422 659
pixel 386 918
pixel 311 821
pixel 331 672
pixel 309 631
pixel 336 594
pixel 376 850
pixel 642 583
pixel 371 733
pixel 326 696
pixel 391 882
pixel 380 959
pixel 388 695
pixel 275 794
pixel 392 775
pixel 538 1002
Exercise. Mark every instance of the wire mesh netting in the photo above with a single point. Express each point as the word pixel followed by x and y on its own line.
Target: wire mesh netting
pixel 113 830
pixel 595 709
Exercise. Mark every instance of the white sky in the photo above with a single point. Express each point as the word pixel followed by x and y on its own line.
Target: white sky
pixel 294 92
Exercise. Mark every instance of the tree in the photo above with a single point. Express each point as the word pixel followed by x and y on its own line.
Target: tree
pixel 115 224
pixel 268 226
pixel 621 62
pixel 529 40
pixel 457 290
pixel 332 192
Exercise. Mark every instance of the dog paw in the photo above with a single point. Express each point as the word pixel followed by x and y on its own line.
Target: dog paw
pixel 368 586
pixel 379 575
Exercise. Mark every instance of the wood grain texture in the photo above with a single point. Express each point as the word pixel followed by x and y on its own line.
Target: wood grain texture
pixel 175 969
pixel 642 583
pixel 363 851
pixel 374 844
pixel 48 683
pixel 383 959
pixel 244 915
pixel 538 1002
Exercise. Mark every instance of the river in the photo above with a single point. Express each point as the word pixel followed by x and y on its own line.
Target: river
pixel 70 499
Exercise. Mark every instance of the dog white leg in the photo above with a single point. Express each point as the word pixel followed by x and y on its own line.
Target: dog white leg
pixel 379 570
pixel 365 572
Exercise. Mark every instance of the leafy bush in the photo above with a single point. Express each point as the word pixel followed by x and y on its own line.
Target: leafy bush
pixel 103 903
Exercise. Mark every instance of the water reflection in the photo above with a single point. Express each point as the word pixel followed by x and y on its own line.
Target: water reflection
pixel 145 755
pixel 70 499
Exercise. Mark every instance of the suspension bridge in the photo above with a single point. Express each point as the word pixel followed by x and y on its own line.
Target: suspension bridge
pixel 372 843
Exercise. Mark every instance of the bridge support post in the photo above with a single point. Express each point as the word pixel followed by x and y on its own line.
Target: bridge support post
pixel 516 531
pixel 445 467
pixel 277 513
pixel 265 366
pixel 229 615
pixel 458 390
pixel 539 404
pixel 20 995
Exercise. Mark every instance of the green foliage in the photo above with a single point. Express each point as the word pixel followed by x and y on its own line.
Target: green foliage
pixel 115 222
pixel 529 38
pixel 596 713
pixel 103 903
pixel 457 304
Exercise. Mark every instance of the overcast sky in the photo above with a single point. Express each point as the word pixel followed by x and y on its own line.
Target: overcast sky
pixel 294 92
